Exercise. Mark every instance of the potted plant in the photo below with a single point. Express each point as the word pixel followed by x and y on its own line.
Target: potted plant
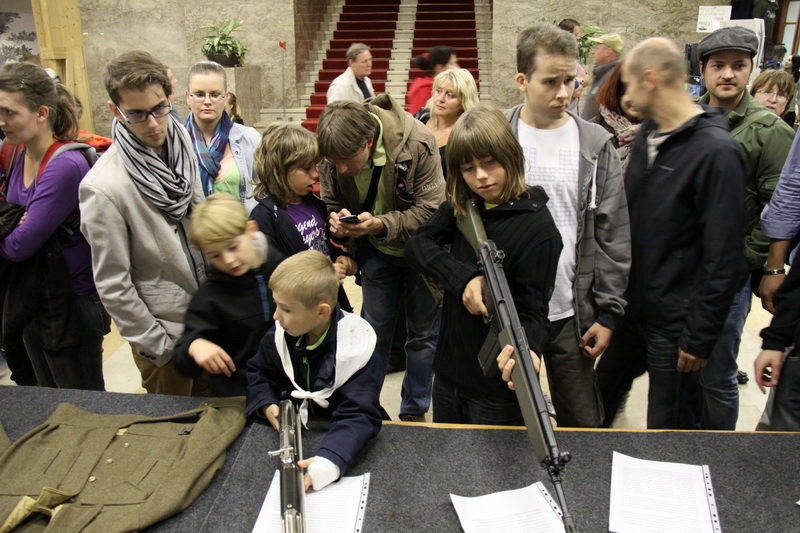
pixel 221 46
pixel 584 44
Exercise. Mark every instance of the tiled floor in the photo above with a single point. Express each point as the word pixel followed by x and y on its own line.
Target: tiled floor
pixel 121 374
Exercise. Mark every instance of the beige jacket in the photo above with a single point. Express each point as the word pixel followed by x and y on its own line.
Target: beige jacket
pixel 345 87
pixel 145 269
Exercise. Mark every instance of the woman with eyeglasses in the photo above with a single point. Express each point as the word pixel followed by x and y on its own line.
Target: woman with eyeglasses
pixel 774 89
pixel 50 301
pixel 224 149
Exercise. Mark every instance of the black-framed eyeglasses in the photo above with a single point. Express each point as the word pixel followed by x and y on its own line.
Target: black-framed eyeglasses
pixel 770 94
pixel 142 116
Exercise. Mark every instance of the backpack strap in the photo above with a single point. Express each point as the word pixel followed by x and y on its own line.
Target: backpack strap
pixel 9 155
pixel 58 148
pixel 48 155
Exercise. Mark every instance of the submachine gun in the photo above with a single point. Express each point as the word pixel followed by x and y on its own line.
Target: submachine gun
pixel 507 329
pixel 293 507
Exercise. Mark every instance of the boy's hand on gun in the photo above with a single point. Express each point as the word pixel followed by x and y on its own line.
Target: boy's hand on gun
pixel 327 473
pixel 367 225
pixel 506 364
pixel 211 358
pixel 473 297
pixel 307 481
pixel 273 413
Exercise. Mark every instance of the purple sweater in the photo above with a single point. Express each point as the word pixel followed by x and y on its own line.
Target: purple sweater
pixel 49 202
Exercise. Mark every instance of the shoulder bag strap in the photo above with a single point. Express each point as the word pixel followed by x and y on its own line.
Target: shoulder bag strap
pixel 366 207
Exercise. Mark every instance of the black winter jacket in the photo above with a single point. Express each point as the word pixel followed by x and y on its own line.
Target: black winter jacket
pixel 232 312
pixel 37 288
pixel 354 408
pixel 524 230
pixel 687 220
pixel 783 331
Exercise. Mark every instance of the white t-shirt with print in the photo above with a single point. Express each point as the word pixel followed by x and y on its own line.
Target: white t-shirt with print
pixel 551 161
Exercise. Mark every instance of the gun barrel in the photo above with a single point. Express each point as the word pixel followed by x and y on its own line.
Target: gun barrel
pixel 292 490
pixel 506 328
pixel 293 522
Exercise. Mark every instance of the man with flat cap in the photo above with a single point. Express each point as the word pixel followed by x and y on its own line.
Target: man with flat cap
pixel 726 62
pixel 606 56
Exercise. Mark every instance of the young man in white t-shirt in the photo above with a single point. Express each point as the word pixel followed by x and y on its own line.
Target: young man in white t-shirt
pixel 576 163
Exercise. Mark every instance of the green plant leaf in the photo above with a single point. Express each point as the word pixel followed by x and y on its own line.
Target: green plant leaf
pixel 220 40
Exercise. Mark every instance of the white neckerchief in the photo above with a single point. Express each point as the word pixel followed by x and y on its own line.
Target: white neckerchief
pixel 355 341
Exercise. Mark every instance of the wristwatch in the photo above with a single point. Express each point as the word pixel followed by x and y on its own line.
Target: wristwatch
pixel 775 272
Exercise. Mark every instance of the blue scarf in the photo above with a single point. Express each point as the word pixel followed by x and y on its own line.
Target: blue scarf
pixel 209 157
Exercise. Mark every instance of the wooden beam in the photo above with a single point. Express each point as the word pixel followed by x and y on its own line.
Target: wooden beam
pixel 60 39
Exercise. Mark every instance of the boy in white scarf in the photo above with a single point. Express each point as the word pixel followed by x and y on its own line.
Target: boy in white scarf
pixel 320 355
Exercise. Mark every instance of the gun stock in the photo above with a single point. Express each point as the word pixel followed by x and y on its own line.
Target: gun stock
pixel 506 328
pixel 293 511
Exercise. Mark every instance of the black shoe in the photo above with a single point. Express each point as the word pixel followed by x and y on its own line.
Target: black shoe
pixel 742 377
pixel 413 418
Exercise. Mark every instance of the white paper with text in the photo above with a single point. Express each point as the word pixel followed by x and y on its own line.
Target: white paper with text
pixel 654 496
pixel 339 507
pixel 530 509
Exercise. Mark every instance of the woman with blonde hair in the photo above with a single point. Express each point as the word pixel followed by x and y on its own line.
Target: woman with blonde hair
pixel 224 149
pixel 454 92
pixel 233 109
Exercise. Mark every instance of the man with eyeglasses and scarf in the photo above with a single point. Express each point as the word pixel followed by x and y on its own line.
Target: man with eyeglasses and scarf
pixel 135 205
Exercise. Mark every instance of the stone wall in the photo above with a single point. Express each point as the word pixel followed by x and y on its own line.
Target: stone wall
pixel 171 30
pixel 633 20
pixel 309 16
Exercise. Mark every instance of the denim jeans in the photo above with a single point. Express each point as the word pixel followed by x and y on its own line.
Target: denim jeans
pixel 674 398
pixel 384 280
pixel 718 377
pixel 458 405
pixel 81 370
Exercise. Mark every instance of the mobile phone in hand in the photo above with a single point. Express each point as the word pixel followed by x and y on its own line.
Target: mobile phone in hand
pixel 349 219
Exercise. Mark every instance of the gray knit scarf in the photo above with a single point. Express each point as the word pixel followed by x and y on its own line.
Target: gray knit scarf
pixel 168 182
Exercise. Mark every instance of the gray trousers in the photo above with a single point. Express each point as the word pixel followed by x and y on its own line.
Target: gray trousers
pixel 570 374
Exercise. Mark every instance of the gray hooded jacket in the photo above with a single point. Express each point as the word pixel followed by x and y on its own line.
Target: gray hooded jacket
pixel 604 240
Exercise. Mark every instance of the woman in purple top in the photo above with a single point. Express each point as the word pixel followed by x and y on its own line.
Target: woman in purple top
pixel 36 112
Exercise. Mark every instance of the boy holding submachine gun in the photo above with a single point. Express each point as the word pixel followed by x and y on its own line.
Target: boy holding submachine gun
pixel 320 357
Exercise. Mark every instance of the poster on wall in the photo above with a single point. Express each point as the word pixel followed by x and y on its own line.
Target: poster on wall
pixel 17 36
pixel 709 18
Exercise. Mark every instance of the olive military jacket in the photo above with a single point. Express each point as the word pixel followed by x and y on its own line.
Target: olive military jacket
pixel 81 471
pixel 765 144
